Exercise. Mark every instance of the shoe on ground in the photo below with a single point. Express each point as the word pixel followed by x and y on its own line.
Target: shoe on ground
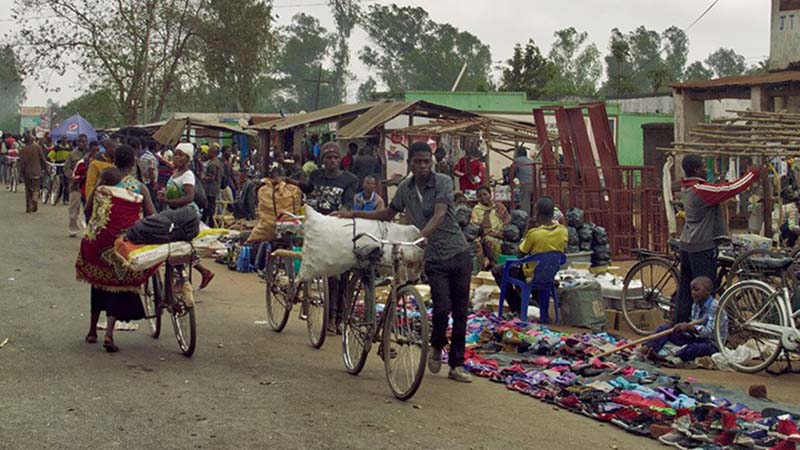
pixel 73 234
pixel 460 374
pixel 435 360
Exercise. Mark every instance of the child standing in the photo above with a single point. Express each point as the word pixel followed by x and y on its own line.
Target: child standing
pixel 697 340
pixel 368 199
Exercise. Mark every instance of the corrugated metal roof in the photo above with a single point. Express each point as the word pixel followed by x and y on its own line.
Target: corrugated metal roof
pixel 325 114
pixel 384 112
pixel 790 76
pixel 171 132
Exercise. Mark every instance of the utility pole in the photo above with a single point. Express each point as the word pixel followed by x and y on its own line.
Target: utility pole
pixel 319 82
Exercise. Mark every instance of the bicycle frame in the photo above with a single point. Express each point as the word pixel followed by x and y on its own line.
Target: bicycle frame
pixel 788 334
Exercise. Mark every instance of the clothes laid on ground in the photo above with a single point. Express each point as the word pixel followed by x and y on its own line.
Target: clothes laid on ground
pixel 562 369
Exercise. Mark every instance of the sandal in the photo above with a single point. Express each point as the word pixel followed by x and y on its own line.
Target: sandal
pixel 207 277
pixel 90 339
pixel 109 345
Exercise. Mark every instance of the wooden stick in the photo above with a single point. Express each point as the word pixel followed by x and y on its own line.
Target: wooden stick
pixel 645 339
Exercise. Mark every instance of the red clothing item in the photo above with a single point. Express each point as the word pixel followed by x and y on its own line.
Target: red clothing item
pixel 475 168
pixel 347 161
pixel 79 176
pixel 713 194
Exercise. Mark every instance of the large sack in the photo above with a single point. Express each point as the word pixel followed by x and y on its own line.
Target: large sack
pixel 328 243
pixel 273 200
pixel 582 306
pixel 170 225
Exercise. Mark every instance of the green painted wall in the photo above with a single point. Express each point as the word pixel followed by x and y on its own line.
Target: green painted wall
pixel 629 126
pixel 630 140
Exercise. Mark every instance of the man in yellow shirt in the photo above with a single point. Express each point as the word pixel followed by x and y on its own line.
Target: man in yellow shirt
pixel 102 161
pixel 549 236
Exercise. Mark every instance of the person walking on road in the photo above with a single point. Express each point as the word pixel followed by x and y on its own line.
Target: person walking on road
pixel 31 166
pixel 428 197
pixel 74 157
pixel 212 179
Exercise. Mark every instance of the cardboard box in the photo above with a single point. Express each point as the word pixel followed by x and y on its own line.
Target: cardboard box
pixel 612 316
pixel 642 318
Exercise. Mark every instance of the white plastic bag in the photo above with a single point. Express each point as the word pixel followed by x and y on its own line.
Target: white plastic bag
pixel 328 243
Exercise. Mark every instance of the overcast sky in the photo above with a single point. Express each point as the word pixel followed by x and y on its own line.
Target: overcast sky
pixel 739 24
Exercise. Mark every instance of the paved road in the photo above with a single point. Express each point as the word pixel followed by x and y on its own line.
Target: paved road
pixel 245 387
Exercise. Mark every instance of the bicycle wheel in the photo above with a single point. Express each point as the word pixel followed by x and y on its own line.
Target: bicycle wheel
pixel 182 312
pixel 650 285
pixel 405 342
pixel 280 284
pixel 357 329
pixel 749 348
pixel 315 303
pixel 54 191
pixel 153 299
pixel 14 179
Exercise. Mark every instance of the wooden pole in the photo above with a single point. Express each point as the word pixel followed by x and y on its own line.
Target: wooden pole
pixel 644 339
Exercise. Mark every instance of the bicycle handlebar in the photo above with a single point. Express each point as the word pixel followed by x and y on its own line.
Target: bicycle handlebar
pixel 384 241
pixel 290 215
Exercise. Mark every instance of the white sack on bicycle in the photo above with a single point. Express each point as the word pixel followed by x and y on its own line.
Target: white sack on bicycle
pixel 328 243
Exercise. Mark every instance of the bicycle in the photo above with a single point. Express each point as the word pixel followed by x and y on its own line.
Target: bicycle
pixel 654 281
pixel 283 290
pixel 52 185
pixel 403 326
pixel 175 295
pixel 760 317
pixel 13 176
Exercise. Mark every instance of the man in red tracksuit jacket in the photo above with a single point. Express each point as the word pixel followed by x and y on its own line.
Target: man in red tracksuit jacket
pixel 703 226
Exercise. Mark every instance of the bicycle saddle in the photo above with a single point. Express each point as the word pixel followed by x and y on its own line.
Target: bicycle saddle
pixel 771 264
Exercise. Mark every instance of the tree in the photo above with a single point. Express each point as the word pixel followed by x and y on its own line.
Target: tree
pixel 238 43
pixel 96 106
pixel 675 45
pixel 725 62
pixel 140 49
pixel 305 44
pixel 11 88
pixel 409 51
pixel 619 69
pixel 577 64
pixel 697 71
pixel 367 91
pixel 346 14
pixel 528 72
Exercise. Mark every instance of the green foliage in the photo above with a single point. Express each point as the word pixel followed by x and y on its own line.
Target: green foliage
pixel 725 62
pixel 409 51
pixel 97 106
pixel 697 71
pixel 11 89
pixel 306 44
pixel 367 91
pixel 527 71
pixel 643 61
pixel 346 14
pixel 238 42
pixel 577 63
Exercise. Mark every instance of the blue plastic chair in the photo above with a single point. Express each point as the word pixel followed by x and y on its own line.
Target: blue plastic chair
pixel 543 282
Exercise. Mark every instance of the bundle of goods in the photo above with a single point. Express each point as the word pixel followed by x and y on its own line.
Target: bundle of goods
pixel 145 256
pixel 514 232
pixel 328 243
pixel 274 200
pixel 565 370
pixel 585 236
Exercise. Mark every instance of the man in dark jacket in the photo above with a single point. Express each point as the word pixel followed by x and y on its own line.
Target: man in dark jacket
pixel 701 203
pixel 31 165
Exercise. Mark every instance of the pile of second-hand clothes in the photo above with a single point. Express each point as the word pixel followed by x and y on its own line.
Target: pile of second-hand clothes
pixel 562 369
pixel 585 236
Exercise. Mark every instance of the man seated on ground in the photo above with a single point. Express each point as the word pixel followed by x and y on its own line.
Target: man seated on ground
pixel 368 199
pixel 546 237
pixel 696 339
